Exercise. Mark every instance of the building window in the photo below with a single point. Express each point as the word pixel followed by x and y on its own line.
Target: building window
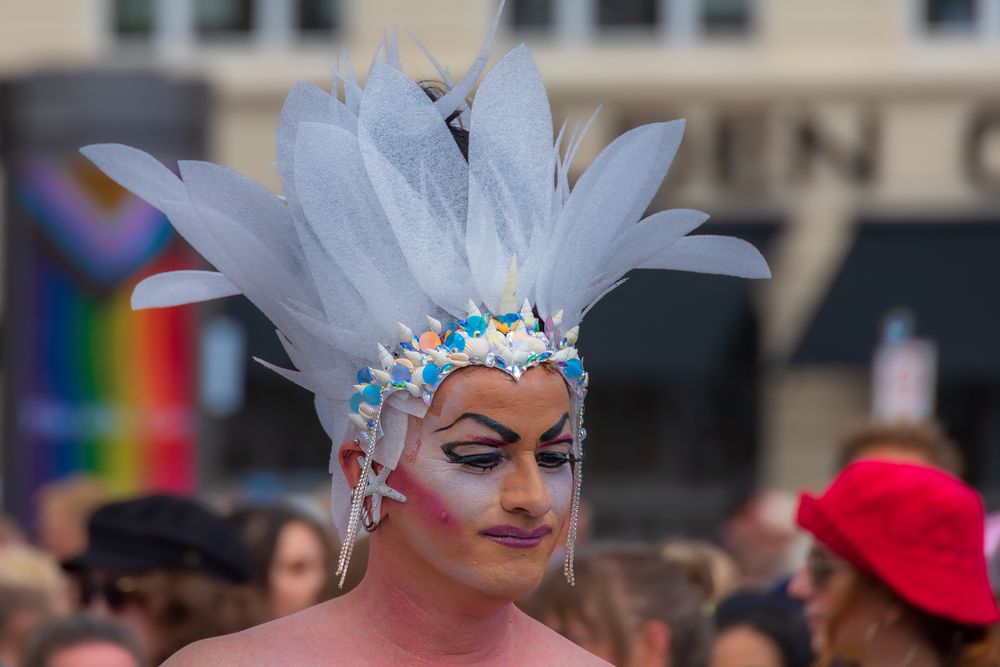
pixel 182 22
pixel 725 17
pixel 223 17
pixel 531 14
pixel 950 15
pixel 680 20
pixel 316 16
pixel 133 17
pixel 627 13
pixel 966 19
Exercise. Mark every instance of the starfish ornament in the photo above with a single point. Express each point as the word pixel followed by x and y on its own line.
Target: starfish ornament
pixel 377 488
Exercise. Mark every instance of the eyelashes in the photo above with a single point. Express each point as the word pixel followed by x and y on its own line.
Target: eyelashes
pixel 554 459
pixel 486 461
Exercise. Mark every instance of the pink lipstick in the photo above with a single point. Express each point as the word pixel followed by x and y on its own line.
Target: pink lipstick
pixel 516 538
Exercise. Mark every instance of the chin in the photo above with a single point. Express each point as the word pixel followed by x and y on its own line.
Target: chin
pixel 509 586
pixel 509 579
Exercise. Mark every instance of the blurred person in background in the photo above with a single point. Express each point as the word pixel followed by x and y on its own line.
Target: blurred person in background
pixel 291 556
pixel 897 574
pixel 922 442
pixel 32 590
pixel 169 569
pixel 83 640
pixel 760 629
pixel 10 531
pixel 708 567
pixel 629 606
pixel 762 537
pixel 64 507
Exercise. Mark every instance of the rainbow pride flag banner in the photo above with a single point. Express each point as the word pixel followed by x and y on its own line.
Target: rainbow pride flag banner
pixel 93 386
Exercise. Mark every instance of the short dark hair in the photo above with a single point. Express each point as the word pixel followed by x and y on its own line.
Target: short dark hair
pixel 76 630
pixel 925 438
pixel 772 615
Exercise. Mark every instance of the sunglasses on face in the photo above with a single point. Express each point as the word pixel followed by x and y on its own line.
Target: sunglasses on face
pixel 116 592
pixel 822 566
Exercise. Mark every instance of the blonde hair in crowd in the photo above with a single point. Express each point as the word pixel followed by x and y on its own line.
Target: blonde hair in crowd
pixel 23 566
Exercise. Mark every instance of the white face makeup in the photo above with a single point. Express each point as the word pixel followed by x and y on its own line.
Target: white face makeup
pixel 488 477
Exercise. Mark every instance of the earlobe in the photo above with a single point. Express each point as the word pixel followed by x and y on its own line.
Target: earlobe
pixel 893 614
pixel 348 455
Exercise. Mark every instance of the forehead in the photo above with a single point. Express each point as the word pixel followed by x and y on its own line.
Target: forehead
pixel 540 393
pixel 890 450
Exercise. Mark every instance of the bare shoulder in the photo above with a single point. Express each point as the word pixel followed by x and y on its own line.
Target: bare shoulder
pixel 242 649
pixel 288 639
pixel 207 652
pixel 548 647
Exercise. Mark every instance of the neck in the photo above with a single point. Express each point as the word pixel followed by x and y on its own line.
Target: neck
pixel 424 617
pixel 898 645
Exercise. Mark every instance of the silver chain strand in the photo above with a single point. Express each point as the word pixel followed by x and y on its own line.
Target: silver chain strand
pixel 358 496
pixel 578 435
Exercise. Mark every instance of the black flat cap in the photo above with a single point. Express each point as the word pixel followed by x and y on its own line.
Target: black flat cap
pixel 160 531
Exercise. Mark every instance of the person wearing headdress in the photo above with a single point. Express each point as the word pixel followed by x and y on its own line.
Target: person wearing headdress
pixel 897 575
pixel 430 298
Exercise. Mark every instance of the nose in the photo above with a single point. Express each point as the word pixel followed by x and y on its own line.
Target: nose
pixel 524 489
pixel 801 586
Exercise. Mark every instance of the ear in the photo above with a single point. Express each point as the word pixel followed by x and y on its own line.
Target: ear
pixel 349 454
pixel 654 638
pixel 894 610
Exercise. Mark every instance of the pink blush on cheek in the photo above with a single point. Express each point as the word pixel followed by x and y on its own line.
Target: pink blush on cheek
pixel 424 500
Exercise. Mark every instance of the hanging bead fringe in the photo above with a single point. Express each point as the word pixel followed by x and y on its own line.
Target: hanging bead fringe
pixel 574 518
pixel 358 498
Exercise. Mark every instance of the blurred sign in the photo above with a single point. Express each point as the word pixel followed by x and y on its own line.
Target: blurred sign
pixel 90 385
pixel 904 373
pixel 223 355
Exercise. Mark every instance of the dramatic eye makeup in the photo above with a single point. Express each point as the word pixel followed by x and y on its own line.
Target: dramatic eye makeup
pixel 483 453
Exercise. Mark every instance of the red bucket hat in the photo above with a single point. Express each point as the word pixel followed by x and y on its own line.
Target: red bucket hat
pixel 916 529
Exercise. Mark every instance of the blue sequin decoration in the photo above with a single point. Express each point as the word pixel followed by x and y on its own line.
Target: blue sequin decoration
pixel 431 374
pixel 401 373
pixel 364 376
pixel 372 394
pixel 475 325
pixel 355 402
pixel 573 369
pixel 455 342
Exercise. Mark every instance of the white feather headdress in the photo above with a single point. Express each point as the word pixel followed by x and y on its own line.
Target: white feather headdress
pixel 383 221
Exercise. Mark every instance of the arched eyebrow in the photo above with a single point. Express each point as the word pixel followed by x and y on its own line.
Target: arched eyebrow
pixel 506 434
pixel 555 430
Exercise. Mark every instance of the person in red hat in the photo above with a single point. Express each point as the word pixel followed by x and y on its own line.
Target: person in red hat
pixel 897 575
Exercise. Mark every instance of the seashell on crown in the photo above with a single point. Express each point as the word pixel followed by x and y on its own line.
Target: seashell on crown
pixel 511 342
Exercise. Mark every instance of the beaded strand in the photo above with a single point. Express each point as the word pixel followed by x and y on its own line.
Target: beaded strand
pixel 358 496
pixel 580 433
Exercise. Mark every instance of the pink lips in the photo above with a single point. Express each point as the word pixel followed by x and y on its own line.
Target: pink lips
pixel 516 538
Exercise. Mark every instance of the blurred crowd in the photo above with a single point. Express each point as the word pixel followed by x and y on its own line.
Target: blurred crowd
pixel 884 568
